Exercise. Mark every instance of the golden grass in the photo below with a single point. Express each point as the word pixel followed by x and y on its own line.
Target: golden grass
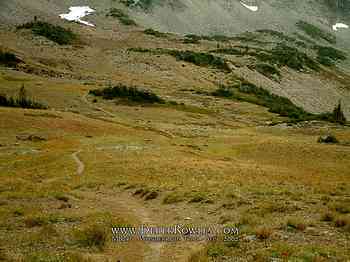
pixel 212 161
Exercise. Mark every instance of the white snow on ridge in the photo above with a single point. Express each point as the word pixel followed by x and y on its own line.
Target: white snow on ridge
pixel 339 25
pixel 250 7
pixel 78 12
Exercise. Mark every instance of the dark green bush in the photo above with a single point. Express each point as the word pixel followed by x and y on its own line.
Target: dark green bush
pixel 54 33
pixel 282 36
pixel 141 50
pixel 129 93
pixel 229 51
pixel 276 104
pixel 250 93
pixel 267 70
pixel 155 33
pixel 123 17
pixel 324 60
pixel 192 39
pixel 8 59
pixel 327 55
pixel 21 101
pixel 316 32
pixel 331 52
pixel 224 91
pixel 328 139
pixel 283 55
pixel 338 114
pixel 200 59
pixel 218 38
pixel 256 95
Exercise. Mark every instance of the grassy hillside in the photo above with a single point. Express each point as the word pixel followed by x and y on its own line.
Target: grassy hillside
pixel 142 127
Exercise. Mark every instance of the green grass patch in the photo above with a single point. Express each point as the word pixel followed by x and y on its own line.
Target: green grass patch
pixel 129 93
pixel 122 16
pixel 315 32
pixel 216 251
pixel 93 236
pixel 54 33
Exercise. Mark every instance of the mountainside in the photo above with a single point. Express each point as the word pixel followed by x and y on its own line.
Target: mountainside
pixel 222 114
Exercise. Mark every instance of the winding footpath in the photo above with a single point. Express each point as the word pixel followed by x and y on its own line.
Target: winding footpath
pixel 81 166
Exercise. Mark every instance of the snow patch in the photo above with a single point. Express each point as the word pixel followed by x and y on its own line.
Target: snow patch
pixel 78 12
pixel 253 8
pixel 339 25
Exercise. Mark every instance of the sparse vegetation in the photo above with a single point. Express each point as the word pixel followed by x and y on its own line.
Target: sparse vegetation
pixel 61 197
pixel 22 101
pixel 197 197
pixel 34 221
pixel 129 93
pixel 92 236
pixel 315 32
pixel 53 257
pixel 122 16
pixel 172 198
pixel 54 33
